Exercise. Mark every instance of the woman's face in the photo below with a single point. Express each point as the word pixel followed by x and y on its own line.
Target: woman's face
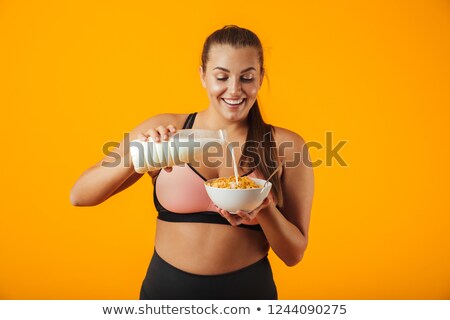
pixel 232 79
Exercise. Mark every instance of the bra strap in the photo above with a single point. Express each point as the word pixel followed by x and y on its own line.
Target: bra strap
pixel 190 121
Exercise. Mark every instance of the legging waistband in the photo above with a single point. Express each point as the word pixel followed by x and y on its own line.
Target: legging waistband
pixel 164 281
pixel 157 257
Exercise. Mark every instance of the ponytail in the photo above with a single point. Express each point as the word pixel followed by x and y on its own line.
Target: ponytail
pixel 260 151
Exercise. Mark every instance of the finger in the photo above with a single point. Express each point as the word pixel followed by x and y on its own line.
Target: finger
pixel 234 219
pixel 220 211
pixel 226 214
pixel 270 198
pixel 243 215
pixel 152 133
pixel 142 137
pixel 171 128
pixel 231 218
pixel 264 204
pixel 237 221
pixel 163 132
pixel 252 215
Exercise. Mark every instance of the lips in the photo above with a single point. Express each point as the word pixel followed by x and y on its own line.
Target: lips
pixel 234 102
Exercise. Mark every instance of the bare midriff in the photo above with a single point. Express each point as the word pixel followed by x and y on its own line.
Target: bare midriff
pixel 208 249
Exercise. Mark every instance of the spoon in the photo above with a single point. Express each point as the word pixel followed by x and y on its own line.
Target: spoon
pixel 273 173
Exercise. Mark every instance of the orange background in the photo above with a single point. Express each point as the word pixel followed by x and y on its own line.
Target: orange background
pixel 75 74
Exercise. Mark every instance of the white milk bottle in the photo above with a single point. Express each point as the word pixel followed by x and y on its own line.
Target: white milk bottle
pixel 184 146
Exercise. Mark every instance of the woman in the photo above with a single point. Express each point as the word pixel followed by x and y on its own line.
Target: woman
pixel 201 251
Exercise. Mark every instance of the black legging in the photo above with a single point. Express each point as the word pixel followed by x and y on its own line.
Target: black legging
pixel 165 282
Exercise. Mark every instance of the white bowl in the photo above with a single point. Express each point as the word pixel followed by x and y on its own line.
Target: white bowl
pixel 233 200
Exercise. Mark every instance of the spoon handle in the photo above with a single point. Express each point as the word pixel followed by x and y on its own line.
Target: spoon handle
pixel 273 173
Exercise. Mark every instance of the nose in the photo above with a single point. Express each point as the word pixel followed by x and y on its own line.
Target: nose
pixel 234 87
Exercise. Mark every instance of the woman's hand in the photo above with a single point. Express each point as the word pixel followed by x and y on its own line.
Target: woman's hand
pixel 158 134
pixel 241 216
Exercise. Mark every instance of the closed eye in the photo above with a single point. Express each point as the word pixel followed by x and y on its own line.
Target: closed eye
pixel 242 79
pixel 247 79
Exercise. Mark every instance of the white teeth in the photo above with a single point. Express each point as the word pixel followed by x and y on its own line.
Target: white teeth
pixel 234 102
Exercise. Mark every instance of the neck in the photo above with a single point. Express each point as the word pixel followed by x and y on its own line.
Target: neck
pixel 216 121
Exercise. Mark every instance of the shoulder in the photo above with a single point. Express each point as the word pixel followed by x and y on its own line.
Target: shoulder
pixel 297 170
pixel 285 138
pixel 292 149
pixel 163 119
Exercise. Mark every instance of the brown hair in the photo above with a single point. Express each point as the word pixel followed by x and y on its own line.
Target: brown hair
pixel 260 133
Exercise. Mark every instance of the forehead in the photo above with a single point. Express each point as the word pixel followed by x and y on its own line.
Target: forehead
pixel 233 59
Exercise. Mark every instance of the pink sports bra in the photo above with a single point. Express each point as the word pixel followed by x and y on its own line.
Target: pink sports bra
pixel 180 196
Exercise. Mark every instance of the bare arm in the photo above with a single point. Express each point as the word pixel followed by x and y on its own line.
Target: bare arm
pixel 101 181
pixel 98 183
pixel 287 231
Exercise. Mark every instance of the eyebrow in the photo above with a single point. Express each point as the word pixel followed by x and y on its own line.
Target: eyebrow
pixel 226 70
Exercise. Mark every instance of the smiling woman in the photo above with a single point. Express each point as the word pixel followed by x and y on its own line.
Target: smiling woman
pixel 202 251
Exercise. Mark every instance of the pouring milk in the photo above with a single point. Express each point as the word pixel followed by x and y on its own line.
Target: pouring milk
pixel 183 147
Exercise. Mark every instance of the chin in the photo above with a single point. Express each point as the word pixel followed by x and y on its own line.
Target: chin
pixel 232 113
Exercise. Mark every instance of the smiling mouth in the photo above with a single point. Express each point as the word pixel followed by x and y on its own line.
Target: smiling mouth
pixel 234 102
